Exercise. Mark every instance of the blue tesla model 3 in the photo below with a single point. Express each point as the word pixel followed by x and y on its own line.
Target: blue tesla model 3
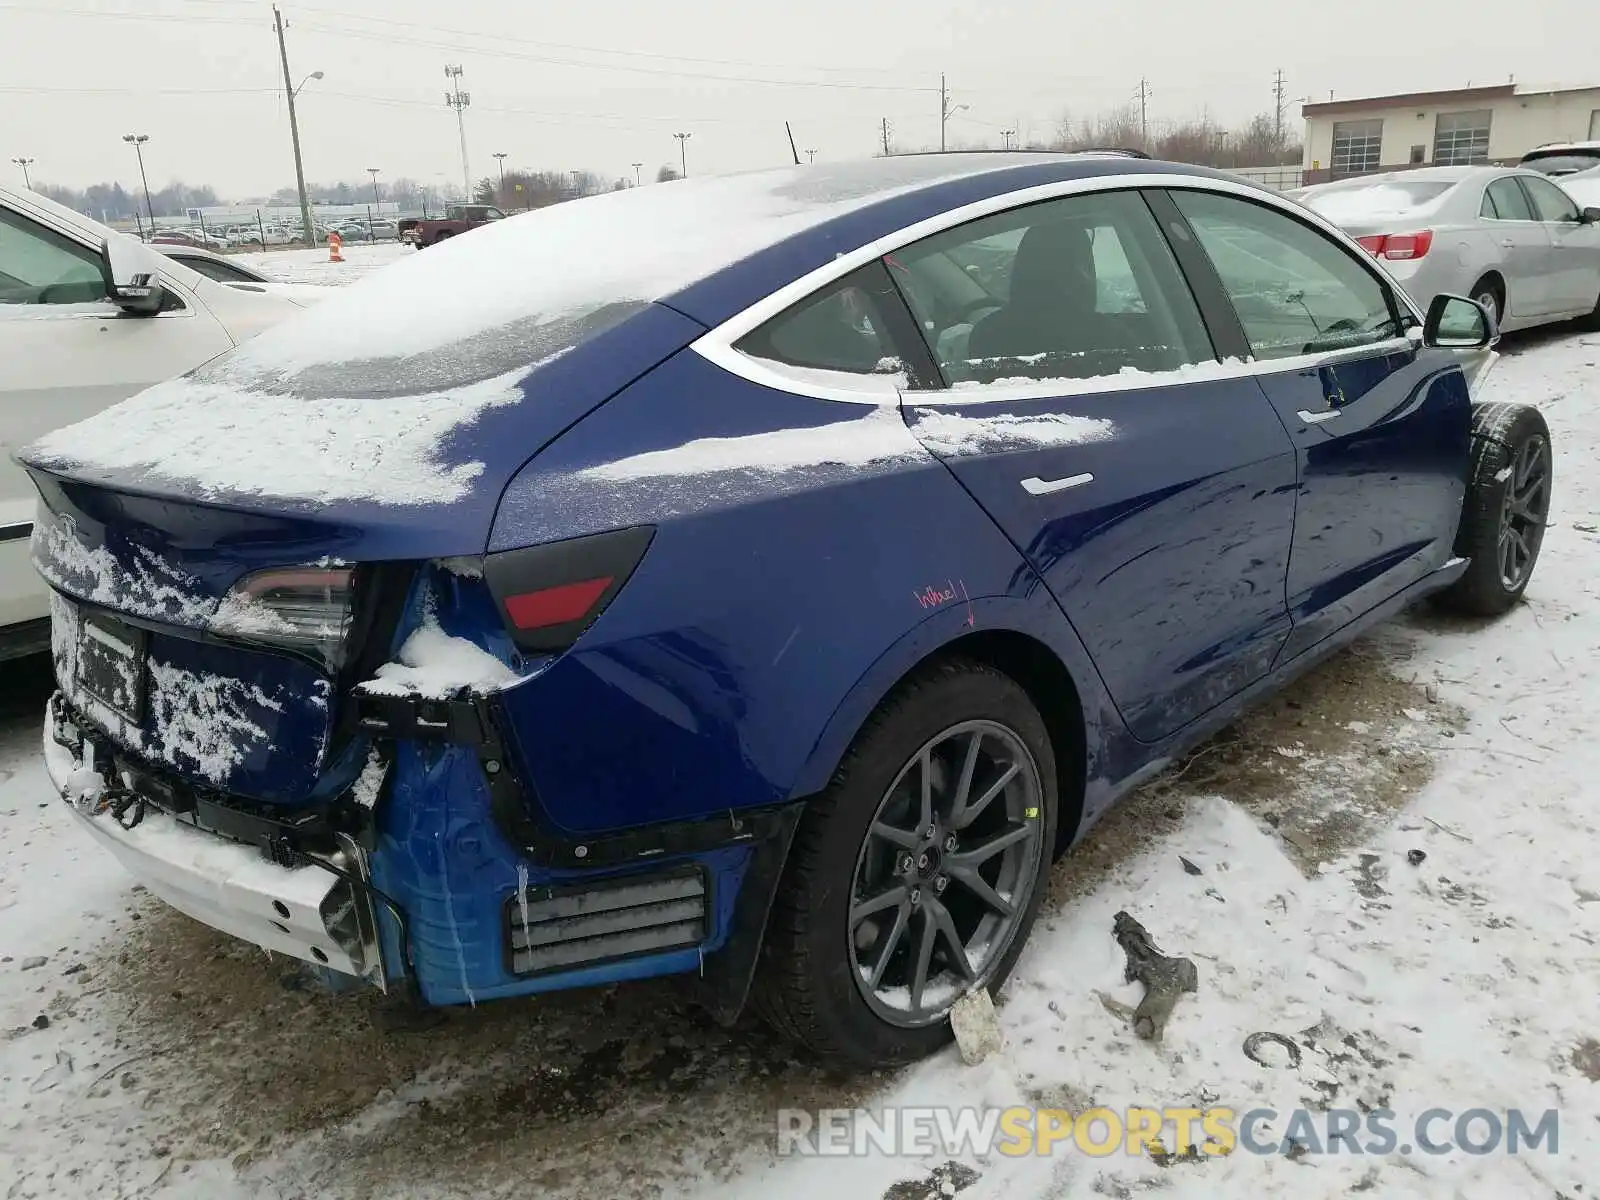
pixel 758 579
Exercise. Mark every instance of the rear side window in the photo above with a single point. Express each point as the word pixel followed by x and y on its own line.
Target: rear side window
pixel 840 328
pixel 1295 290
pixel 1507 201
pixel 1075 288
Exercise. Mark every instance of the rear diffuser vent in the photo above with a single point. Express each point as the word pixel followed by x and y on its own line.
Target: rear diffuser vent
pixel 559 929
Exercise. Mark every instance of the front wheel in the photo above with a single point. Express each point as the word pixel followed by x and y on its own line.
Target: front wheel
pixel 1506 509
pixel 916 875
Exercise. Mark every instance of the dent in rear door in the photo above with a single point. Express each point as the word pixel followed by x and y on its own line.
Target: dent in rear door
pixel 1158 508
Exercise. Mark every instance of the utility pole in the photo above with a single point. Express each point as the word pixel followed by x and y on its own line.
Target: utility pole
pixel 683 152
pixel 1008 134
pixel 24 164
pixel 137 141
pixel 1144 114
pixel 458 100
pixel 373 171
pixel 811 155
pixel 500 157
pixel 638 179
pixel 946 110
pixel 886 151
pixel 289 91
pixel 1278 98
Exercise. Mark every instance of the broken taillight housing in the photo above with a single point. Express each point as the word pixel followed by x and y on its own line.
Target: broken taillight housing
pixel 306 610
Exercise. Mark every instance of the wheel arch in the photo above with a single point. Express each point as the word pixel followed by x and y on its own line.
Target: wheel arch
pixel 1052 669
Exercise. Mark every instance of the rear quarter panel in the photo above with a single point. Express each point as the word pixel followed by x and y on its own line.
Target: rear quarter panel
pixel 774 608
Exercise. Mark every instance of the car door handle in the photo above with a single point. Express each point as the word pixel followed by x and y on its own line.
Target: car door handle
pixel 1035 486
pixel 1311 418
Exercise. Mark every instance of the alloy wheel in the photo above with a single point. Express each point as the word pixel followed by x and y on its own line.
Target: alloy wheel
pixel 1524 511
pixel 946 874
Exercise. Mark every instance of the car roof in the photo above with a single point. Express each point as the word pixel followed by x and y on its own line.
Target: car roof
pixel 1553 148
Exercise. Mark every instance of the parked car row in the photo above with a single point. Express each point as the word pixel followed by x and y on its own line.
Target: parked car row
pixel 1512 238
pixel 759 579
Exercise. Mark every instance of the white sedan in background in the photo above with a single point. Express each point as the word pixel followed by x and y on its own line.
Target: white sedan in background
pixel 88 317
pixel 1510 238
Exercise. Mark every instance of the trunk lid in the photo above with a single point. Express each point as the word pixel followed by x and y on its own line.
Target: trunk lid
pixel 151 512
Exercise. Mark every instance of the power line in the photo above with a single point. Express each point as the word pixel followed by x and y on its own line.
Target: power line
pixel 648 54
pixel 549 60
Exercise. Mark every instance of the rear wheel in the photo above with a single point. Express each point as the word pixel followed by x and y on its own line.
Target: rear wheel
pixel 1506 509
pixel 916 875
pixel 1489 292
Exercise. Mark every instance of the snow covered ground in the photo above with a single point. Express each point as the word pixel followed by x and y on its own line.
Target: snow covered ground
pixel 312 266
pixel 147 1056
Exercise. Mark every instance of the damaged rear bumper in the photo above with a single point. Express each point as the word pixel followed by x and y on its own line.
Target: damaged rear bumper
pixel 306 911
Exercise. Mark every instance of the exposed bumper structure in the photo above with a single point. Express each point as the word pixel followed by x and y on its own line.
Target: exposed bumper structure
pixel 307 912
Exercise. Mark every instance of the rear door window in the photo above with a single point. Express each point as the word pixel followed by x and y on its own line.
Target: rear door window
pixel 1296 290
pixel 1076 288
pixel 1508 201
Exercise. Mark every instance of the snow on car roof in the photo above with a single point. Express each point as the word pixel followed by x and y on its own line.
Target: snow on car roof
pixel 354 399
pixel 635 245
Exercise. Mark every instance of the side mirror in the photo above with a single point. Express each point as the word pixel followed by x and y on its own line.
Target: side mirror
pixel 133 275
pixel 1456 323
pixel 1589 216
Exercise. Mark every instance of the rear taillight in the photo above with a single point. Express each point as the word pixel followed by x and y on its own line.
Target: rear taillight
pixel 302 609
pixel 1397 247
pixel 550 594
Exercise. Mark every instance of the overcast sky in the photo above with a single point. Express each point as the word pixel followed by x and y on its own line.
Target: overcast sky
pixel 602 84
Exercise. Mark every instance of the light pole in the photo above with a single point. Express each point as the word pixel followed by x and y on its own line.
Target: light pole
pixel 137 141
pixel 24 164
pixel 289 93
pixel 638 178
pixel 458 100
pixel 500 156
pixel 373 171
pixel 683 153
pixel 811 155
pixel 1008 134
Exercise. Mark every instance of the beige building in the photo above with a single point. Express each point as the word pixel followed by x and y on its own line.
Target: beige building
pixel 1495 124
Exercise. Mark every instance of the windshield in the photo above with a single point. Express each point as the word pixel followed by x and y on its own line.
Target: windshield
pixel 1353 202
pixel 1565 163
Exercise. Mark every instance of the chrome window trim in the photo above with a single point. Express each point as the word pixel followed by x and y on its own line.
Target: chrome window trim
pixel 717 345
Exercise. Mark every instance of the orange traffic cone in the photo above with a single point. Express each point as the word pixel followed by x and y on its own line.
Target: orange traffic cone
pixel 335 244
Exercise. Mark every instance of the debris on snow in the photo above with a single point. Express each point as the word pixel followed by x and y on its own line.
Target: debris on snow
pixel 34 962
pixel 41 1022
pixel 1164 978
pixel 1189 867
pixel 1254 1043
pixel 944 1180
pixel 52 1075
pixel 976 1028
pixel 1416 857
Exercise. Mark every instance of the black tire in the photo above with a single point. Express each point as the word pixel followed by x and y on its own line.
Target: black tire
pixel 806 985
pixel 1491 293
pixel 1592 321
pixel 1505 509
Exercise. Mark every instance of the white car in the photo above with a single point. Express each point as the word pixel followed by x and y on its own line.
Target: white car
pixel 234 274
pixel 88 317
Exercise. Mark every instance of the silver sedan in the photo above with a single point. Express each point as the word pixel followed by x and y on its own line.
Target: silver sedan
pixel 1512 239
